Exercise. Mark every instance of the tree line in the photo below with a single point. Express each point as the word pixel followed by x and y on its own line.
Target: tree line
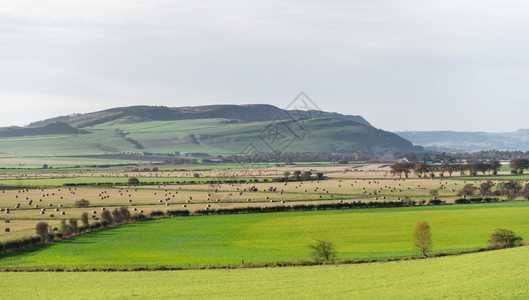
pixel 472 168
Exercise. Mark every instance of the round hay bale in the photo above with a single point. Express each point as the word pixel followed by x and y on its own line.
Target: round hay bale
pixel 63 213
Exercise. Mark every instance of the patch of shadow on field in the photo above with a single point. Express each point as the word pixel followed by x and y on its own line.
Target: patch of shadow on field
pixel 28 252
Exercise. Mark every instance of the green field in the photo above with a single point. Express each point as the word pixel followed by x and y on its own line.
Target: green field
pixel 502 274
pixel 228 239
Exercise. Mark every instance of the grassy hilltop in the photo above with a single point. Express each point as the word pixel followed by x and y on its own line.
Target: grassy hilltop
pixel 214 130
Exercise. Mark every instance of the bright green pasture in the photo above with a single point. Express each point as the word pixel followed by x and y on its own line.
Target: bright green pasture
pixel 370 233
pixel 502 274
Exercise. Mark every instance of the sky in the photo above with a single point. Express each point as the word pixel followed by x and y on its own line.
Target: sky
pixel 401 64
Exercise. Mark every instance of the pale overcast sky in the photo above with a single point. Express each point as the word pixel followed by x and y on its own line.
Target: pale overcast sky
pixel 402 64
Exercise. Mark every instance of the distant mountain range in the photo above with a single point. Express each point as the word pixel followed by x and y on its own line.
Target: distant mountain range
pixel 453 141
pixel 213 129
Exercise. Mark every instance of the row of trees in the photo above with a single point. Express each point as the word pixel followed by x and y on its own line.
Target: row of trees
pixel 301 176
pixel 71 228
pixel 511 189
pixel 518 165
pixel 469 156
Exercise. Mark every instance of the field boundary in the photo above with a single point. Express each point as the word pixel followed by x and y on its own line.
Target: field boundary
pixel 243 265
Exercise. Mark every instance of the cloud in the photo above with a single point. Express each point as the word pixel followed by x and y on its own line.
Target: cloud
pixel 376 58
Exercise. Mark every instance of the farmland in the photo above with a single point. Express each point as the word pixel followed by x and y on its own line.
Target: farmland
pixel 52 195
pixel 498 274
pixel 230 239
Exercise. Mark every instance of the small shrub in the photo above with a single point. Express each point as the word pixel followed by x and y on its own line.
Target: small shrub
pixel 156 213
pixel 84 219
pixel 107 217
pixel 133 181
pixel 504 238
pixel 82 203
pixel 435 202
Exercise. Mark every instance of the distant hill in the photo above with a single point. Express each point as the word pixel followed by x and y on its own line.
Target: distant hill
pixel 48 129
pixel 242 113
pixel 468 141
pixel 215 130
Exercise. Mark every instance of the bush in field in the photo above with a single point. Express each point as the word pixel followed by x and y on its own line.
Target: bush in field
pixel 504 238
pixel 116 216
pixel 525 192
pixel 156 213
pixel 133 181
pixel 511 189
pixel 107 217
pixel 434 193
pixel 124 213
pixel 42 230
pixel 485 189
pixel 306 175
pixel 297 175
pixel 422 237
pixel 74 227
pixel 82 203
pixel 65 229
pixel 84 219
pixel 467 190
pixel 323 250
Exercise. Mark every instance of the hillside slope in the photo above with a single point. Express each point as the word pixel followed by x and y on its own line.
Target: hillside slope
pixel 212 136
pixel 50 128
pixel 242 113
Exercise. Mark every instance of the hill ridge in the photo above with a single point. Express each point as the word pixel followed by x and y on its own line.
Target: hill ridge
pixel 242 113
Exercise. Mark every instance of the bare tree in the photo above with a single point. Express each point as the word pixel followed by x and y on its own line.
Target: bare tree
pixel 323 250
